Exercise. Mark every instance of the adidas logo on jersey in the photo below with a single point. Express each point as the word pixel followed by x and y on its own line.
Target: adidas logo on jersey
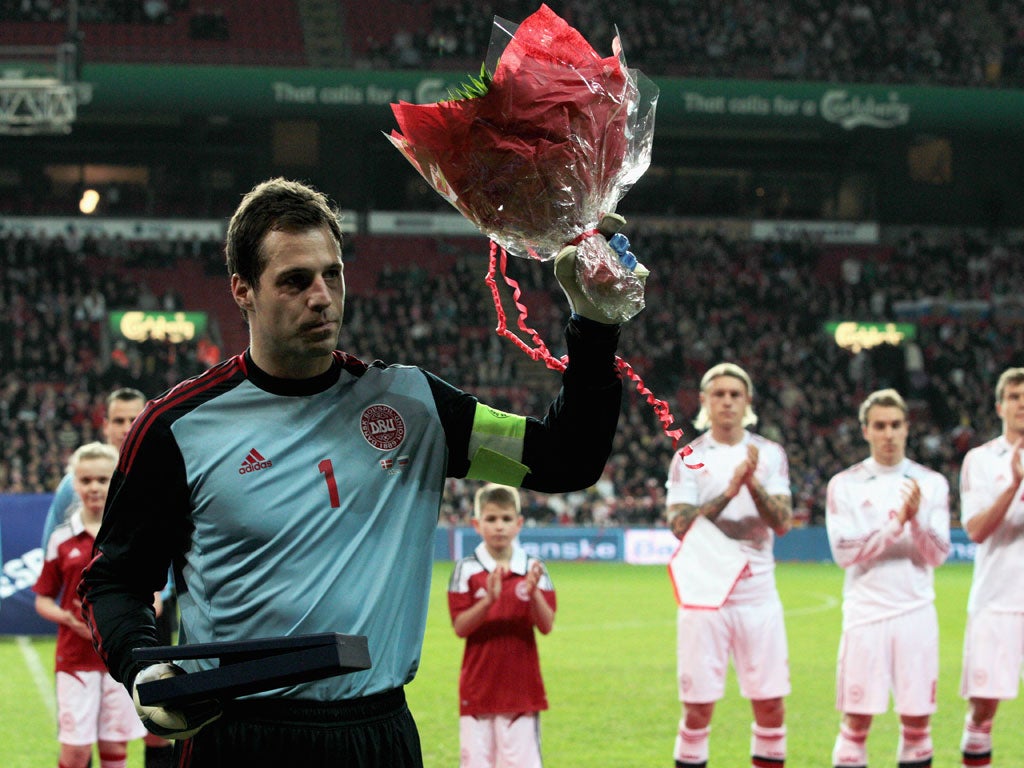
pixel 254 462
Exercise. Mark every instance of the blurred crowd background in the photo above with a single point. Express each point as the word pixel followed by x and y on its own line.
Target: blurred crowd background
pixel 710 298
pixel 713 295
pixel 948 42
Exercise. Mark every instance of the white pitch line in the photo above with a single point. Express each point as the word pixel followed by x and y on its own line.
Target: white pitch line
pixel 829 602
pixel 39 675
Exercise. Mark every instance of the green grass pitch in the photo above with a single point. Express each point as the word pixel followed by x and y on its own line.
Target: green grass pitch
pixel 609 667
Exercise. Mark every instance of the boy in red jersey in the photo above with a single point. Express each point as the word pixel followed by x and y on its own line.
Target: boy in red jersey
pixel 496 597
pixel 92 707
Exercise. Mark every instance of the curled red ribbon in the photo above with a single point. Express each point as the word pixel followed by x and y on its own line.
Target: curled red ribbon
pixel 498 256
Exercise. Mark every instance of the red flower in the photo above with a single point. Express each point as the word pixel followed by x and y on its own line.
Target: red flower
pixel 556 140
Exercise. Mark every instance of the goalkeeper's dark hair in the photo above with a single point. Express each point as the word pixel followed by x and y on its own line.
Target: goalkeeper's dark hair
pixel 276 204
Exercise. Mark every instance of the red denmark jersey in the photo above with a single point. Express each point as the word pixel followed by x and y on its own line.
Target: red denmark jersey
pixel 67 553
pixel 500 665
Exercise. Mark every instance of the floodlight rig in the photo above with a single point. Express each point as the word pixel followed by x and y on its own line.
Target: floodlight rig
pixel 34 100
pixel 30 106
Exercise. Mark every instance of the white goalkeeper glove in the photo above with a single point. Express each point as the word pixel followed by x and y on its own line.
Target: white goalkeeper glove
pixel 172 723
pixel 568 278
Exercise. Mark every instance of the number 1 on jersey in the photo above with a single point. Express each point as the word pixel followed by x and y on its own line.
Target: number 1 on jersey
pixel 327 470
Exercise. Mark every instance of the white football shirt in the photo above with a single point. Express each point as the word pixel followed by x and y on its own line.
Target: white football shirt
pixel 889 567
pixel 999 560
pixel 740 519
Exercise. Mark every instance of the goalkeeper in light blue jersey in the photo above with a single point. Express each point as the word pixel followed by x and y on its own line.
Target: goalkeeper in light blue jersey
pixel 299 491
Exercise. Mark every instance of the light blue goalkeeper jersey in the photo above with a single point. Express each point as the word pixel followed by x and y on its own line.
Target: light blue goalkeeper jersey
pixel 336 488
pixel 298 507
pixel 310 512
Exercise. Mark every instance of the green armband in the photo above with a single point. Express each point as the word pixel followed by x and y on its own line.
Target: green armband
pixel 496 447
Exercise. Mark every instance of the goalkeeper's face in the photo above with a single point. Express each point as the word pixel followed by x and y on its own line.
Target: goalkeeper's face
pixel 295 311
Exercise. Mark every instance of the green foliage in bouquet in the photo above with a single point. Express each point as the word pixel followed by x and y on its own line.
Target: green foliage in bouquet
pixel 475 88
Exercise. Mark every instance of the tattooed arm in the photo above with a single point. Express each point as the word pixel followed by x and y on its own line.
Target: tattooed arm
pixel 776 511
pixel 681 516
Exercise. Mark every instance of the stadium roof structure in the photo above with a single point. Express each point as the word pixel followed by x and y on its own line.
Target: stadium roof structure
pixel 36 105
pixel 39 89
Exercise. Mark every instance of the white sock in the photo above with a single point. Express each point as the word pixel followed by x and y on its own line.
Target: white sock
pixel 692 745
pixel 768 745
pixel 976 743
pixel 850 749
pixel 915 746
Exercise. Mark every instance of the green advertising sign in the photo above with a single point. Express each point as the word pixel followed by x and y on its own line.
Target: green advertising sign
pixel 856 336
pixel 174 327
pixel 256 91
pixel 684 104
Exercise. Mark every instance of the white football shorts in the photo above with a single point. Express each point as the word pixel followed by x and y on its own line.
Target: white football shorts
pixel 499 741
pixel 899 654
pixel 754 635
pixel 91 707
pixel 993 653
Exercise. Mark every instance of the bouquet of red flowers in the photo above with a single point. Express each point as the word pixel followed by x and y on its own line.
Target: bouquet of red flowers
pixel 536 153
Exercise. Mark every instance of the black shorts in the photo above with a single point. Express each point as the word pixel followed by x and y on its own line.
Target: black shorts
pixel 375 731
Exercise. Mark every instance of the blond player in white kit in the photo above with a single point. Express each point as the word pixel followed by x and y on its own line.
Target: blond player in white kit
pixel 888 526
pixel 992 513
pixel 743 488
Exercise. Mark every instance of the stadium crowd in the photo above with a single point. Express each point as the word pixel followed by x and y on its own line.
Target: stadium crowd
pixel 948 42
pixel 94 11
pixel 57 360
pixel 710 298
pixel 863 41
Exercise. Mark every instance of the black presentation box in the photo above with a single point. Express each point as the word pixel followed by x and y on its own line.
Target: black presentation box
pixel 252 666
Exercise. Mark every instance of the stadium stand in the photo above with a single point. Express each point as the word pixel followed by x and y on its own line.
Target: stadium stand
pixel 762 304
pixel 56 358
pixel 435 290
pixel 231 32
pixel 951 42
pixel 948 42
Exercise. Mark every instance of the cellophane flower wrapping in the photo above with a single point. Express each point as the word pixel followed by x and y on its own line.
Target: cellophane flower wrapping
pixel 556 141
